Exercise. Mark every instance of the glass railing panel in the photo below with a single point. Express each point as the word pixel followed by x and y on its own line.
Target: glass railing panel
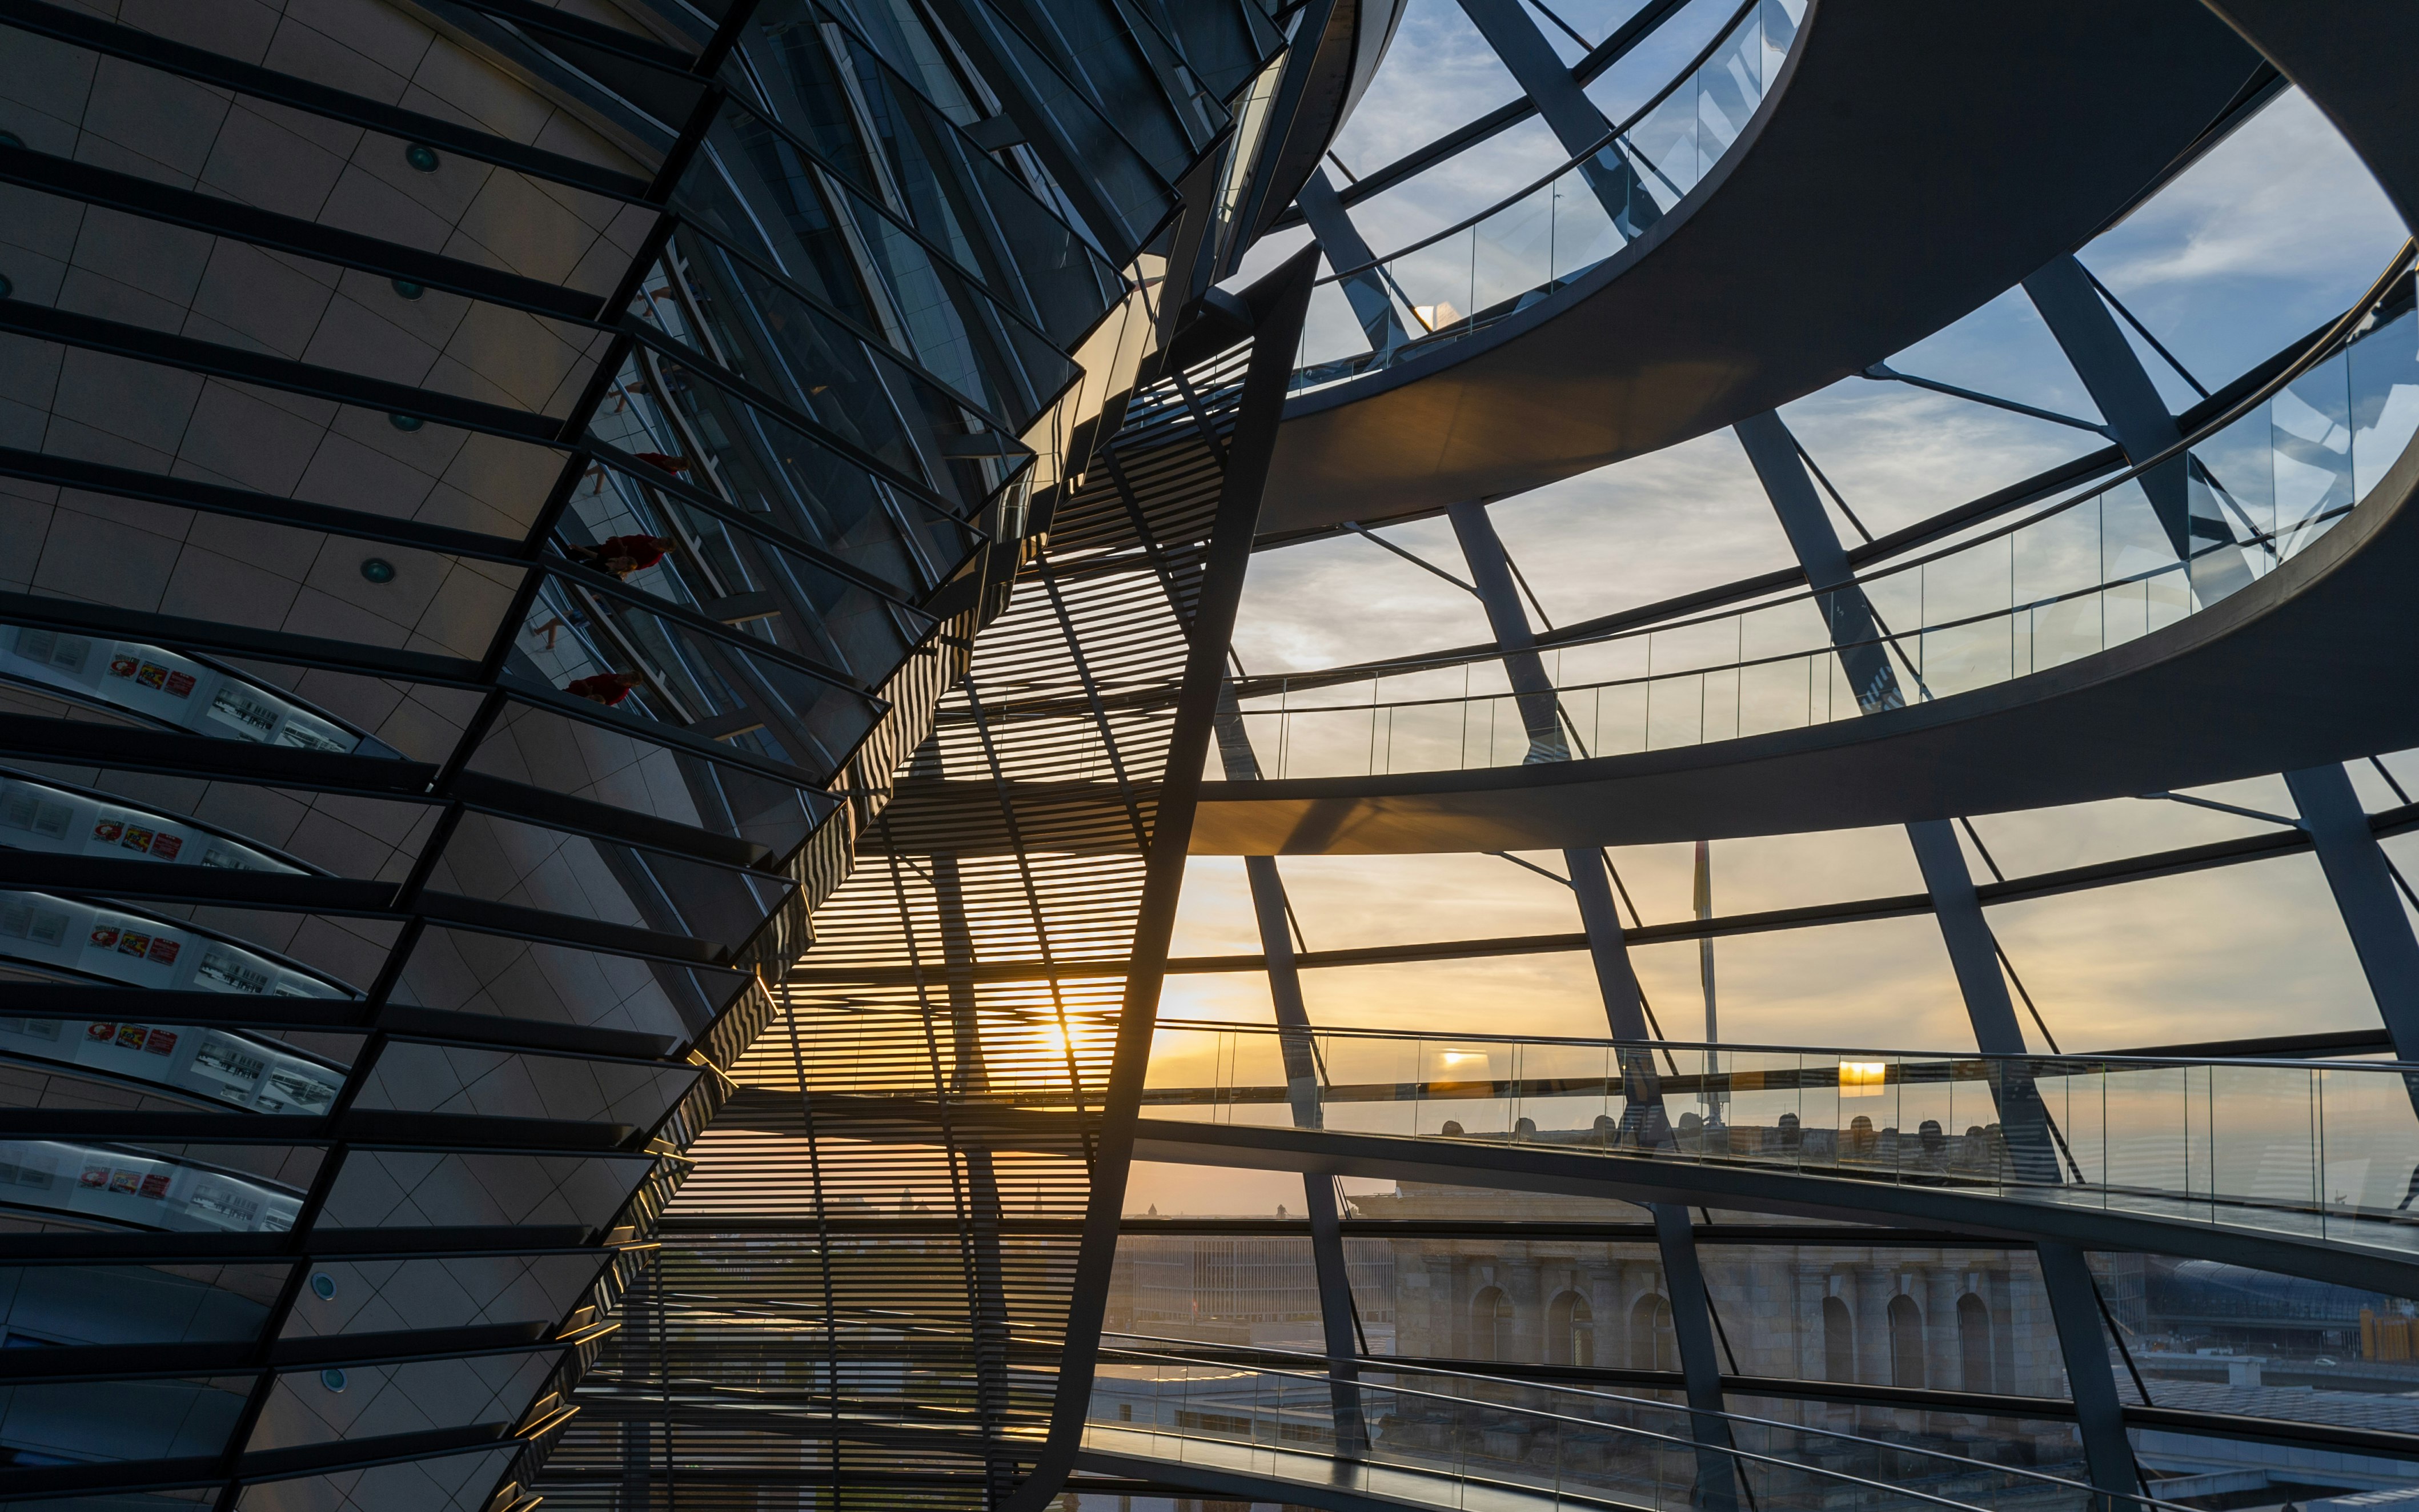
pixel 1439 280
pixel 1780 694
pixel 2075 1095
pixel 1924 1118
pixel 2082 578
pixel 2310 432
pixel 1955 654
pixel 1762 1099
pixel 1457 1087
pixel 1729 86
pixel 1419 736
pixel 1369 1086
pixel 1778 20
pixel 1563 1094
pixel 2265 1145
pixel 1584 232
pixel 1512 250
pixel 2383 385
pixel 1434 1438
pixel 2232 482
pixel 1513 254
pixel 1327 740
pixel 1663 147
pixel 1332 334
pixel 1675 711
pixel 2265 1136
pixel 2371 1153
pixel 1617 719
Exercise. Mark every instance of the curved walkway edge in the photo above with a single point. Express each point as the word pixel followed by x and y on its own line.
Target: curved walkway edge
pixel 2328 1255
pixel 2317 662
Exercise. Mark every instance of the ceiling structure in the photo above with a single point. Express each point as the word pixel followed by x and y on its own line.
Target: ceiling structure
pixel 623 634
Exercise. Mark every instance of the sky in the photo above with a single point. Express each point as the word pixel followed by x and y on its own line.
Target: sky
pixel 2270 235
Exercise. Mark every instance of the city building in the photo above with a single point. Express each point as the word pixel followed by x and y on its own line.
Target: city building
pixel 1369 754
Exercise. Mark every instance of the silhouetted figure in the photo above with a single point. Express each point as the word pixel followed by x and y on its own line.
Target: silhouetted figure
pixel 1861 1136
pixel 1934 1143
pixel 619 555
pixel 607 689
pixel 1974 1152
pixel 1452 1129
pixel 1791 1135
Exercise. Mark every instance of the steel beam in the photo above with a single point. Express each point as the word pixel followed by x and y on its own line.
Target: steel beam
pixel 1616 982
pixel 1349 257
pixel 1278 301
pixel 2357 872
pixel 1972 952
pixel 1573 117
pixel 1268 910
pixel 2349 855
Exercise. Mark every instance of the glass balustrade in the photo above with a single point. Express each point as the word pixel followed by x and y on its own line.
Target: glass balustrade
pixel 2327 1148
pixel 2080 577
pixel 1470 275
pixel 1440 1439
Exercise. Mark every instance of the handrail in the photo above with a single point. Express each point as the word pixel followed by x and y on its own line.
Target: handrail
pixel 1721 35
pixel 1659 1046
pixel 1734 1454
pixel 2340 334
pixel 1892 638
pixel 1391 1367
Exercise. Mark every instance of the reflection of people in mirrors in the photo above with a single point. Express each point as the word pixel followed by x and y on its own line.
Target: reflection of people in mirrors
pixel 607 689
pixel 619 555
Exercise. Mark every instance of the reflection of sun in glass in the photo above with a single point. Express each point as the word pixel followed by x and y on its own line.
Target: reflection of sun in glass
pixel 1862 1078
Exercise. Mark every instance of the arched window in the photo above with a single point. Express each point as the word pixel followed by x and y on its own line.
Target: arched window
pixel 1651 1344
pixel 1974 1341
pixel 1838 1341
pixel 1570 1331
pixel 1906 1341
pixel 1490 1324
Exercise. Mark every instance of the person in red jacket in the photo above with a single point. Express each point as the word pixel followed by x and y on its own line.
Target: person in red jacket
pixel 607 689
pixel 619 555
